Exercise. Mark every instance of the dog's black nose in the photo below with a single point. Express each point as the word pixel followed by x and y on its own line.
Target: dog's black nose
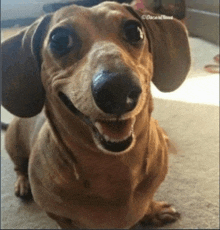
pixel 115 93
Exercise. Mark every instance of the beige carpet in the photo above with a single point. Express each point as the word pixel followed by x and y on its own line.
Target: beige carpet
pixel 190 115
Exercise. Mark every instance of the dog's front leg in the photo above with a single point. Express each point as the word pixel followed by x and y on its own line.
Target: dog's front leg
pixel 19 153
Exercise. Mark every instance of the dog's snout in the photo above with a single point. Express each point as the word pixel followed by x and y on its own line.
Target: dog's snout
pixel 115 93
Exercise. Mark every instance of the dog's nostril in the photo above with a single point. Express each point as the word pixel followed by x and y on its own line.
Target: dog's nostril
pixel 133 96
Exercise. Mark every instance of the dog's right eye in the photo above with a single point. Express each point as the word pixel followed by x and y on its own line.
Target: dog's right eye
pixel 63 40
pixel 133 32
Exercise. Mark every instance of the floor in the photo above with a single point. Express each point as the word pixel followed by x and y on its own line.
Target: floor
pixel 190 115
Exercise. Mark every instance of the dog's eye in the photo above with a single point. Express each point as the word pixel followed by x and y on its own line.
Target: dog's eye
pixel 133 32
pixel 62 40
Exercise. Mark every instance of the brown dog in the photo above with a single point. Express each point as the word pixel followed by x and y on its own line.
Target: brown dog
pixel 94 157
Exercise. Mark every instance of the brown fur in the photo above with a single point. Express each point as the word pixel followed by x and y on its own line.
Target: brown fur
pixel 76 182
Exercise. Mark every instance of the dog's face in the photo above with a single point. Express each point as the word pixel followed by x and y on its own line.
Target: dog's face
pixel 99 68
pixel 94 66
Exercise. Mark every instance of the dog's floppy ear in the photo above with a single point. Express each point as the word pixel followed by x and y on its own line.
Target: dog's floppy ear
pixel 169 46
pixel 22 91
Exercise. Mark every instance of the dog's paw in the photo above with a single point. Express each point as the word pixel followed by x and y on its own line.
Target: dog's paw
pixel 22 187
pixel 161 213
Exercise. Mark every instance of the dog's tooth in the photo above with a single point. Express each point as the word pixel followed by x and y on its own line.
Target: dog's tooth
pixel 107 138
pixel 99 127
pixel 133 122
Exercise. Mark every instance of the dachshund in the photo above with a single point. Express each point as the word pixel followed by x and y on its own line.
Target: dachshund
pixel 83 140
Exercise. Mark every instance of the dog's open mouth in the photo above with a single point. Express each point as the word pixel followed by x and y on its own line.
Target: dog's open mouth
pixel 114 136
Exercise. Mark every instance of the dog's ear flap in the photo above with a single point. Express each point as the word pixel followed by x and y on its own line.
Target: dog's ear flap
pixel 22 91
pixel 170 49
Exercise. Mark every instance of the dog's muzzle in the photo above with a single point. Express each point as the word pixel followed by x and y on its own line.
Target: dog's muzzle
pixel 115 95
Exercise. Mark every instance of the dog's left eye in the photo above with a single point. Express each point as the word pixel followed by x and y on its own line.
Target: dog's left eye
pixel 62 40
pixel 133 32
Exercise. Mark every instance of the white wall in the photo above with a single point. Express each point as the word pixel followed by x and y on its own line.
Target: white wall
pixel 12 9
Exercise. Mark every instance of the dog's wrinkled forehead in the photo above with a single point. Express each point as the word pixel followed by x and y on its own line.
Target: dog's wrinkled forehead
pixel 106 11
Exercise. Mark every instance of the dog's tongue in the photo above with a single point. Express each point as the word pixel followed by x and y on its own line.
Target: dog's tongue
pixel 115 130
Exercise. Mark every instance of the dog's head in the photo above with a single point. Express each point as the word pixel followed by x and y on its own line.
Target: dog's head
pixel 95 64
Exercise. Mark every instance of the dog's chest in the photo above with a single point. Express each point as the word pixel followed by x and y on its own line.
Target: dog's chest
pixel 96 189
pixel 104 200
pixel 101 199
pixel 100 185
